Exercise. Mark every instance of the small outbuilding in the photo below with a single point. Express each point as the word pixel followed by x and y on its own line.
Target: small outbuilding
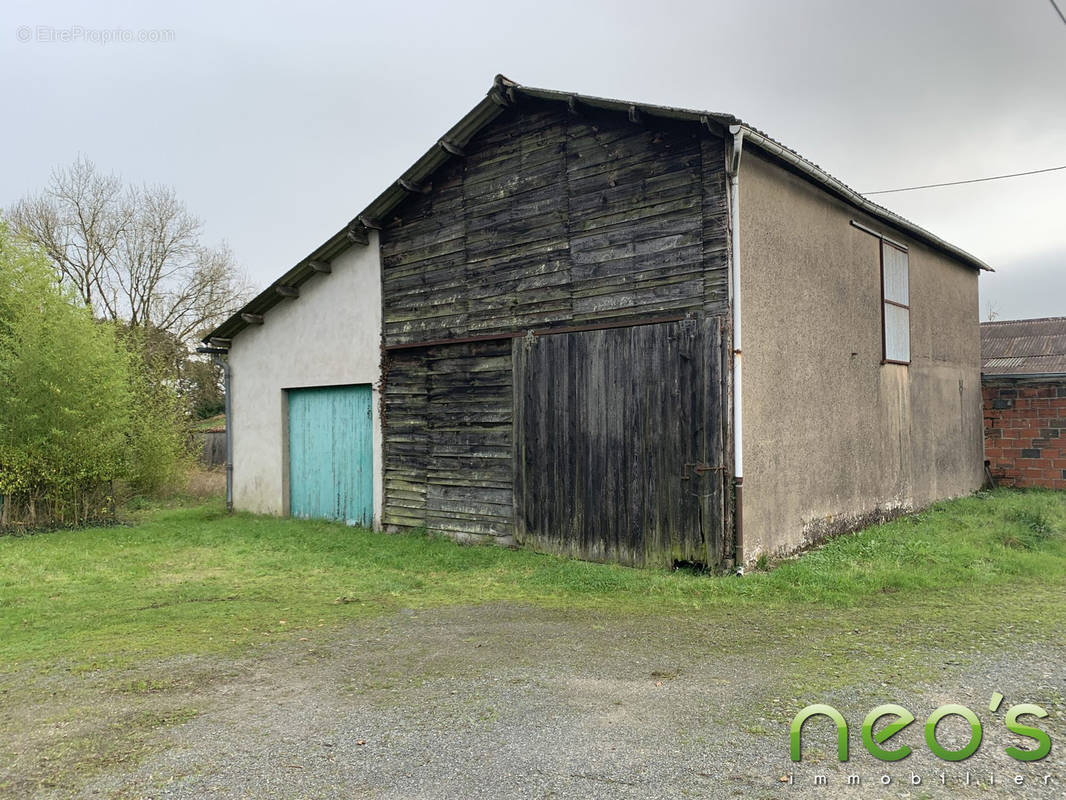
pixel 612 330
pixel 1023 373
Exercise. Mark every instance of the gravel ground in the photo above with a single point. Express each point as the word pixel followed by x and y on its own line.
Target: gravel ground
pixel 495 702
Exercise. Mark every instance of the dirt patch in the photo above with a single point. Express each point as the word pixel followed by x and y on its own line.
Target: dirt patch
pixel 203 483
pixel 62 730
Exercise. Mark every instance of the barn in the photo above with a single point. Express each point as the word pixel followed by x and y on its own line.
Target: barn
pixel 616 331
pixel 1023 370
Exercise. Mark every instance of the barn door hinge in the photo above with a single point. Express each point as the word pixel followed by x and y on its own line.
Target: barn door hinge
pixel 699 468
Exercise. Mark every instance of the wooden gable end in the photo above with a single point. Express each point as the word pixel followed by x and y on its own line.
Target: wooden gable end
pixel 554 219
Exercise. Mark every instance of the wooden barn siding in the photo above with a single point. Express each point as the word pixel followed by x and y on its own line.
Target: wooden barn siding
pixel 555 219
pixel 448 451
pixel 551 220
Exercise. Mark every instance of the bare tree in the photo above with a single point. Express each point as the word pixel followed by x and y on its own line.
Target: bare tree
pixel 134 254
pixel 77 221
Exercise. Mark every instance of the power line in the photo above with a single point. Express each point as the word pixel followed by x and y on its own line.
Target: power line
pixel 1056 7
pixel 980 180
pixel 974 180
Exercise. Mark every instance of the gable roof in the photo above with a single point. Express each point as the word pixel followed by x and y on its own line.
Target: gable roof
pixel 1024 347
pixel 504 94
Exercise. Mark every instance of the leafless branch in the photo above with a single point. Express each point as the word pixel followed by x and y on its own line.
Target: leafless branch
pixel 133 254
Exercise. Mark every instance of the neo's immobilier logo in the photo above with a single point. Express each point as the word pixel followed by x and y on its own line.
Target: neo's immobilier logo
pixel 899 718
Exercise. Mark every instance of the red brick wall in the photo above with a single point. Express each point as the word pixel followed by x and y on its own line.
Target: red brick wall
pixel 1025 432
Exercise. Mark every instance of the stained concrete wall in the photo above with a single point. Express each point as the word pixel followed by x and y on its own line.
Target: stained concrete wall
pixel 329 336
pixel 833 438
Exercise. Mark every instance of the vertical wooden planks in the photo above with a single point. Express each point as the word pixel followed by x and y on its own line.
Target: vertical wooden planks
pixel 622 459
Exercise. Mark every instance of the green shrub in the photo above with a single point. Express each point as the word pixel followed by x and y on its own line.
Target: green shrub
pixel 159 445
pixel 76 411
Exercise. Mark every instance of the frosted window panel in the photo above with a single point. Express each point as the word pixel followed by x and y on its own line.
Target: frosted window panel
pixel 897 284
pixel 897 333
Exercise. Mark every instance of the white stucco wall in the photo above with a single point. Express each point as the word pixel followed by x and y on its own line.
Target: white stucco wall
pixel 329 336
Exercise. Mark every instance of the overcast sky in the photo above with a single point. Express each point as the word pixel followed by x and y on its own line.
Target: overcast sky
pixel 277 122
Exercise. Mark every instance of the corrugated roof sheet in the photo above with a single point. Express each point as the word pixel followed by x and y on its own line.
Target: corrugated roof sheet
pixel 1024 346
pixel 503 94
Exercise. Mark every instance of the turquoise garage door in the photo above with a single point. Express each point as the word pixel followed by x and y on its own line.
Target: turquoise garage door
pixel 331 455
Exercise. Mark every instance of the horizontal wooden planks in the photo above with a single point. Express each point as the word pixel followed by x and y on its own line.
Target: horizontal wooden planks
pixel 716 231
pixel 406 443
pixel 634 197
pixel 554 219
pixel 448 443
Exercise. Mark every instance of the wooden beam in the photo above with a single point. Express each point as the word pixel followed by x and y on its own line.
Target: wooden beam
pixel 451 147
pixel 372 224
pixel 545 331
pixel 252 319
pixel 635 115
pixel 357 235
pixel 323 267
pixel 287 291
pixel 414 188
pixel 500 97
pixel 571 106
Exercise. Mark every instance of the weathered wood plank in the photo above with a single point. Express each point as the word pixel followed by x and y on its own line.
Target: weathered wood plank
pixel 448 466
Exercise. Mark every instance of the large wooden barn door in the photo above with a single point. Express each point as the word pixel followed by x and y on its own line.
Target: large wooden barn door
pixel 331 455
pixel 618 443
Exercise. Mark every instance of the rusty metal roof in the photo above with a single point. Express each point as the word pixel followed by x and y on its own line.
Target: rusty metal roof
pixel 1021 347
pixel 503 94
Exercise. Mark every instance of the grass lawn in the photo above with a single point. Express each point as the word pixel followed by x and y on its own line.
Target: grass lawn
pixel 196 580
pixel 110 637
pixel 215 423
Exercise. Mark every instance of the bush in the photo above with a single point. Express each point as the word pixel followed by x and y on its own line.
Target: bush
pixel 159 446
pixel 76 412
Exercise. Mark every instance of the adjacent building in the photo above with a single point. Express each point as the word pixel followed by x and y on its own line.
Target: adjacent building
pixel 1023 370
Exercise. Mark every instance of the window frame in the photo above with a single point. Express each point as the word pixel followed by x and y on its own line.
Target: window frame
pixel 886 302
pixel 885 241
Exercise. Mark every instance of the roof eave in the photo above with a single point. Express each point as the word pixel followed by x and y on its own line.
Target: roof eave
pixel 353 233
pixel 834 186
pixel 504 93
pixel 374 215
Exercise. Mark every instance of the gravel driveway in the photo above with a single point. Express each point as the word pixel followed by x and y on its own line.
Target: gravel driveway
pixel 493 702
